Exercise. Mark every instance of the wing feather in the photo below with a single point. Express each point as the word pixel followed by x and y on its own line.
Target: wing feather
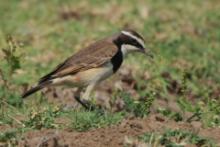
pixel 93 56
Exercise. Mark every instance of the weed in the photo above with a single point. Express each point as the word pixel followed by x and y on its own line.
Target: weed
pixel 207 113
pixel 176 138
pixel 139 108
pixel 84 120
pixel 170 114
pixel 13 59
pixel 8 91
pixel 12 56
pixel 43 118
pixel 9 137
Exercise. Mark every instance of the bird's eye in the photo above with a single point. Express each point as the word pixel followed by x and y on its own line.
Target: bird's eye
pixel 136 44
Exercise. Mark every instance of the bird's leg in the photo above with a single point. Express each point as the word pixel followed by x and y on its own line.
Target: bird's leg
pixel 77 98
pixel 86 94
pixel 85 98
pixel 82 102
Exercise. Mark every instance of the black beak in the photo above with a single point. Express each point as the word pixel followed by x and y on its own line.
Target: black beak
pixel 147 53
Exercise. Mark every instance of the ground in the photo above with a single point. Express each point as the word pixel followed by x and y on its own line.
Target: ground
pixel 170 100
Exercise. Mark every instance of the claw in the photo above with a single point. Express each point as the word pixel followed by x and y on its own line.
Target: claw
pixel 86 104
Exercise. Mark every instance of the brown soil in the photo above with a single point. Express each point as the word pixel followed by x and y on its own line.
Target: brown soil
pixel 113 136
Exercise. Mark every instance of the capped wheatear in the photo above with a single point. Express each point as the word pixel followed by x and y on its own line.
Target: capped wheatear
pixel 93 64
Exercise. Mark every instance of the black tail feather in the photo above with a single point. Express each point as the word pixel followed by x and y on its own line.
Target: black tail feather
pixel 31 91
pixel 36 88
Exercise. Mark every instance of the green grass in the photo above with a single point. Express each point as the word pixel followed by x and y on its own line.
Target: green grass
pixel 138 108
pixel 183 35
pixel 175 138
pixel 85 120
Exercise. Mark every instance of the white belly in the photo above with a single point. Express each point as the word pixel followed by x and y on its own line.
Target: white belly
pixel 84 78
pixel 97 74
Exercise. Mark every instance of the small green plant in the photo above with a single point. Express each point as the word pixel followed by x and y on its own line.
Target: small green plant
pixel 8 91
pixel 84 120
pixel 43 118
pixel 4 136
pixel 176 138
pixel 170 114
pixel 9 137
pixel 11 55
pixel 11 62
pixel 207 112
pixel 139 108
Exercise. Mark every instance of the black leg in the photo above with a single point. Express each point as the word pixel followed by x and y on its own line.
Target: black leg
pixel 86 104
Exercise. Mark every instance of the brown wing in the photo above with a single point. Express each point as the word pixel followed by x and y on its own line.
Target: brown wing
pixel 91 57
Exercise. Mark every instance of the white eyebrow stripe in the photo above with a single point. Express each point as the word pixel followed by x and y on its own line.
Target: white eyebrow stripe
pixel 136 38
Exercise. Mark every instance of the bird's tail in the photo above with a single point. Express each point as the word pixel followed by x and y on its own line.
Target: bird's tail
pixel 34 89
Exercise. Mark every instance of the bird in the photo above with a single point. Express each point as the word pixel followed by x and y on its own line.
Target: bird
pixel 89 66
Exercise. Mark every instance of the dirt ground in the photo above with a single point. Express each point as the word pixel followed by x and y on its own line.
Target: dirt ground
pixel 113 136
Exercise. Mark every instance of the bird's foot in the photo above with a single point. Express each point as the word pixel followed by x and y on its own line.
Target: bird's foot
pixel 86 104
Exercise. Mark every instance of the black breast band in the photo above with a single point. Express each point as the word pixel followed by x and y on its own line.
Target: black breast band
pixel 117 60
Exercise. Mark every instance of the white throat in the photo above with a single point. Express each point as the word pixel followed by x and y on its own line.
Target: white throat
pixel 125 49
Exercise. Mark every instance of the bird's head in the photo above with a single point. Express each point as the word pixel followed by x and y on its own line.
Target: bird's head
pixel 131 41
